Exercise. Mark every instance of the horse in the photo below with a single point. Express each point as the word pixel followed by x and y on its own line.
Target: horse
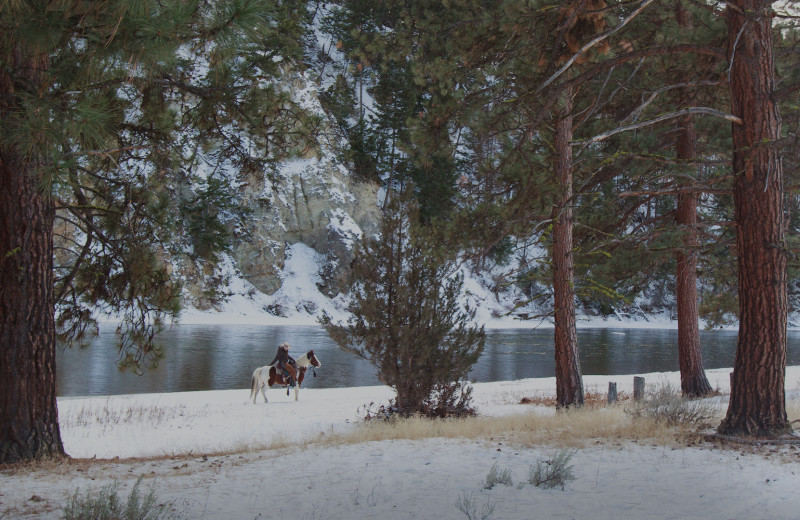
pixel 269 375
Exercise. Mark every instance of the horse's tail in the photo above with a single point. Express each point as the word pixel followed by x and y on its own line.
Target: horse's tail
pixel 254 383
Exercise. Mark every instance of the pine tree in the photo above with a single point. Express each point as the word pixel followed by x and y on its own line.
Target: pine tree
pixel 395 141
pixel 758 403
pixel 107 110
pixel 407 319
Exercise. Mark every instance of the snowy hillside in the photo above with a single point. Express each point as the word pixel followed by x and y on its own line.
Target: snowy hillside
pixel 300 300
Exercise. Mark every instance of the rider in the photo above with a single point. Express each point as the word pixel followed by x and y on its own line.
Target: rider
pixel 285 362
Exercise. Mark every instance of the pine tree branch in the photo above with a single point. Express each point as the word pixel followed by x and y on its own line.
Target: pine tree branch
pixel 205 92
pixel 107 151
pixel 635 113
pixel 665 117
pixel 706 7
pixel 621 86
pixel 596 102
pixel 553 93
pixel 644 53
pixel 784 92
pixel 667 160
pixel 594 42
pixel 676 190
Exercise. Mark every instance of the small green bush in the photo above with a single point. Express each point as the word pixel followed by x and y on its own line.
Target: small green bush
pixel 107 505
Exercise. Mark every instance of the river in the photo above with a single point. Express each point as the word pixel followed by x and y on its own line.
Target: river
pixel 219 357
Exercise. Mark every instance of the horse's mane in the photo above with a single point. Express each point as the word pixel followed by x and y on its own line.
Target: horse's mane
pixel 303 360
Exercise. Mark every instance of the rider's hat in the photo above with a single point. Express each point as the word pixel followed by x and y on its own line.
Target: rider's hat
pixel 285 346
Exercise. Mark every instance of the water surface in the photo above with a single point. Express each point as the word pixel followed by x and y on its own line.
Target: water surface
pixel 219 357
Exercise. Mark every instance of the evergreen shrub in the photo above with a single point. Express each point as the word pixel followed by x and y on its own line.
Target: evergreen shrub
pixel 406 318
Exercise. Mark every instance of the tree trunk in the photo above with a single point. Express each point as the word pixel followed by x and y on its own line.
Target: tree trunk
pixel 690 358
pixel 569 384
pixel 757 404
pixel 28 413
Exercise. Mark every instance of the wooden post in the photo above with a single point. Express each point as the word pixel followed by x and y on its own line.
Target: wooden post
pixel 612 392
pixel 638 388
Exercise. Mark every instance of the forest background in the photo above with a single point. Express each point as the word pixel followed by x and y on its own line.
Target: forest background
pixel 619 143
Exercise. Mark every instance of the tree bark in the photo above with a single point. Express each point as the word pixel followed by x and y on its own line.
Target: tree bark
pixel 757 405
pixel 28 413
pixel 690 357
pixel 569 383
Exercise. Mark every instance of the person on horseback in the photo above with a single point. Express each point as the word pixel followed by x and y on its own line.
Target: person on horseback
pixel 285 362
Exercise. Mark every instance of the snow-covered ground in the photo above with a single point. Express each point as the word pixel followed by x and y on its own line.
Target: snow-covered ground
pixel 215 455
pixel 203 452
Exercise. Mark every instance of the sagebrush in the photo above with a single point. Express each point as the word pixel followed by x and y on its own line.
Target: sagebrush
pixel 665 405
pixel 555 472
pixel 468 504
pixel 497 476
pixel 106 504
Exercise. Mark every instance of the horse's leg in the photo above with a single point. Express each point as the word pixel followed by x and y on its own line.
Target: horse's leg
pixel 257 384
pixel 301 374
pixel 264 392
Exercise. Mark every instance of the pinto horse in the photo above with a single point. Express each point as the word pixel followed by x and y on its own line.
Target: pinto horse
pixel 269 375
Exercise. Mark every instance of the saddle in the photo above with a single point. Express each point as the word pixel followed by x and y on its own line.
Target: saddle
pixel 287 377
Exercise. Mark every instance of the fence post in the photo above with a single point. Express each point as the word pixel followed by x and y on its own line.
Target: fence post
pixel 612 393
pixel 638 388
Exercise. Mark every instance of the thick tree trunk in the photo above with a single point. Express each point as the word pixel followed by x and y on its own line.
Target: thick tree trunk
pixel 690 358
pixel 28 414
pixel 569 384
pixel 757 404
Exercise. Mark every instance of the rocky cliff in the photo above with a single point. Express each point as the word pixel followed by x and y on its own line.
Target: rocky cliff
pixel 313 200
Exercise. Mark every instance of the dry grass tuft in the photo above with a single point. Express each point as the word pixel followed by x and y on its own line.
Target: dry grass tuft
pixel 591 399
pixel 108 416
pixel 567 428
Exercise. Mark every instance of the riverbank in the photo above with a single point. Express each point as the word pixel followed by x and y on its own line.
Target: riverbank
pixel 216 455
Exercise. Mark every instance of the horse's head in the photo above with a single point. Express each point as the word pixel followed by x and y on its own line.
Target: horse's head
pixel 312 358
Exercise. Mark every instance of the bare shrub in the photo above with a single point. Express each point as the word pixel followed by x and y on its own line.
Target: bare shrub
pixel 666 406
pixel 467 504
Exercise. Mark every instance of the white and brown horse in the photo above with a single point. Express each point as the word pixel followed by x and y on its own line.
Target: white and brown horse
pixel 269 375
